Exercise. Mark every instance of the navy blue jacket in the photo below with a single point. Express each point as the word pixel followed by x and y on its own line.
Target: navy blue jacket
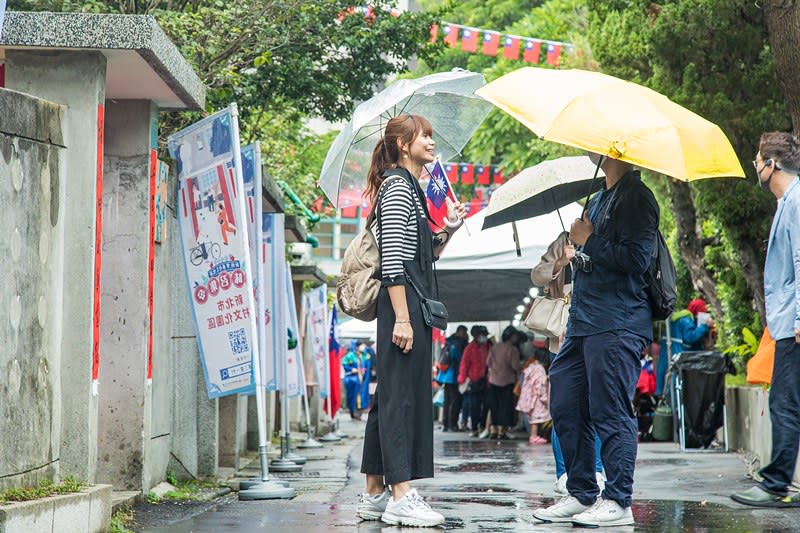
pixel 612 296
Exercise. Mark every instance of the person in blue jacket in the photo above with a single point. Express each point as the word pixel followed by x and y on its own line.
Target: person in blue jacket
pixel 352 366
pixel 686 334
pixel 367 362
pixel 448 378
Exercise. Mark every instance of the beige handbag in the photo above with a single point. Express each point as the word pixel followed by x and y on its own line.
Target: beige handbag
pixel 548 316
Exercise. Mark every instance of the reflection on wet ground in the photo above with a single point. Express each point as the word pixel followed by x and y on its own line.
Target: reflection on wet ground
pixel 490 486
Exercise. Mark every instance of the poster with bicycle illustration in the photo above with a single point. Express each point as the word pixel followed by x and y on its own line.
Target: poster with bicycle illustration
pixel 211 212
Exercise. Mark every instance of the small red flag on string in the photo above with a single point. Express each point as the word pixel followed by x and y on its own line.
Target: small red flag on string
pixel 553 53
pixel 511 47
pixel 482 174
pixel 469 40
pixel 497 175
pixel 434 33
pixel 491 42
pixel 532 51
pixel 451 35
pixel 467 173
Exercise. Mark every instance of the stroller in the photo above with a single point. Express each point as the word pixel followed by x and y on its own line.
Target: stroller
pixel 644 400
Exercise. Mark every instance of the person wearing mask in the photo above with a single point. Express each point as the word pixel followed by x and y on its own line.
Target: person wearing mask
pixel 687 332
pixel 398 438
pixel 503 366
pixel 448 378
pixel 593 378
pixel 353 376
pixel 777 166
pixel 367 362
pixel 472 371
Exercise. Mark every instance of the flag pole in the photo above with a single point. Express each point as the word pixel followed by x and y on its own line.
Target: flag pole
pixel 453 196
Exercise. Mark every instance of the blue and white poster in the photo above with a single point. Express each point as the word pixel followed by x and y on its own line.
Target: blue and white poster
pixel 294 379
pixel 214 236
pixel 315 305
pixel 273 326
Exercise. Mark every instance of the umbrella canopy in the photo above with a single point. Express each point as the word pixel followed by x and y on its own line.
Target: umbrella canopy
pixel 446 99
pixel 617 118
pixel 541 189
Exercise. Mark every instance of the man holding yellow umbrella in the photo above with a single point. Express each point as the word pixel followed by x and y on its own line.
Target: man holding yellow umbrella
pixel 593 377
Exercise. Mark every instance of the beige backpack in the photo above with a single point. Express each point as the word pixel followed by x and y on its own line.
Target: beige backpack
pixel 359 278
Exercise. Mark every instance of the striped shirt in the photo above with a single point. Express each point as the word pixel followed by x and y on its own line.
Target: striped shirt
pixel 399 229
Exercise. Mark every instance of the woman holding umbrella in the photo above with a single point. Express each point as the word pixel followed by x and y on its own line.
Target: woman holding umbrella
pixel 398 440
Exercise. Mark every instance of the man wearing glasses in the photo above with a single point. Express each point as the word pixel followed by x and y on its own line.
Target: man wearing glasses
pixel 777 166
pixel 593 377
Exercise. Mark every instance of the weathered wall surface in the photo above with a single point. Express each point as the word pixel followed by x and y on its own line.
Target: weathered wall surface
pixel 31 192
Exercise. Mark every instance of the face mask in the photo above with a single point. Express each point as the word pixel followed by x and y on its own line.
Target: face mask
pixel 482 339
pixel 764 184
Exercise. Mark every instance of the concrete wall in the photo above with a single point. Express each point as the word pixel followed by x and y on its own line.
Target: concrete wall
pixel 749 426
pixel 31 193
pixel 76 80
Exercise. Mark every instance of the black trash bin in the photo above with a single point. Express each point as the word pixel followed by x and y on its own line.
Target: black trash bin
pixel 700 395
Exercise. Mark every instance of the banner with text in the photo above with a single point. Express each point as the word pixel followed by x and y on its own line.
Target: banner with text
pixel 294 382
pixel 213 229
pixel 273 326
pixel 315 305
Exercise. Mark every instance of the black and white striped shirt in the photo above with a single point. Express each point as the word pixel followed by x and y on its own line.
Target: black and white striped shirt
pixel 399 229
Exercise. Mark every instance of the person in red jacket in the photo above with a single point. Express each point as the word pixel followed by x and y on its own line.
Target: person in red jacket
pixel 473 368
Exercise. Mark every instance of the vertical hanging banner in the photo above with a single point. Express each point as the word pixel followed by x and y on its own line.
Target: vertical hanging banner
pixel 294 383
pixel 316 335
pixel 272 337
pixel 213 231
pixel 251 176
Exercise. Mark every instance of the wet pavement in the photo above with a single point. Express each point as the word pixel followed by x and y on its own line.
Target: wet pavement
pixel 491 486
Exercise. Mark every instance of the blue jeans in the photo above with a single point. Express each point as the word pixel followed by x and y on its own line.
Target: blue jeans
pixel 561 469
pixel 593 380
pixel 784 412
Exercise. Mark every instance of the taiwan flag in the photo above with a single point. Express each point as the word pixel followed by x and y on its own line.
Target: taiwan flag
pixel 532 50
pixel 482 174
pixel 491 42
pixel 469 40
pixel 511 47
pixel 437 193
pixel 497 175
pixel 334 399
pixel 451 35
pixel 553 53
pixel 467 171
pixel 451 171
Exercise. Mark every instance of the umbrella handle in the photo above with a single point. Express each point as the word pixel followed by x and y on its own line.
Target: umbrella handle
pixel 591 185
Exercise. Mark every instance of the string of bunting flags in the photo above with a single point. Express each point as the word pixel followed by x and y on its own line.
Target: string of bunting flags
pixel 493 42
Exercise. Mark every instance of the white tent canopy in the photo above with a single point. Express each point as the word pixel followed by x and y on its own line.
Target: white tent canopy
pixel 480 276
pixel 357 329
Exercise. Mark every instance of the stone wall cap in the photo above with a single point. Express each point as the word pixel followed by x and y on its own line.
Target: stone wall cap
pixel 143 63
pixel 23 115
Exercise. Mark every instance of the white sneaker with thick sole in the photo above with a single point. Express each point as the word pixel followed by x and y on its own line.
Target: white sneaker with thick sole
pixel 561 485
pixel 372 507
pixel 604 513
pixel 411 510
pixel 564 510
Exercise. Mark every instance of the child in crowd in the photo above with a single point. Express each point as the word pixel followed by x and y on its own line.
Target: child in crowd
pixel 534 399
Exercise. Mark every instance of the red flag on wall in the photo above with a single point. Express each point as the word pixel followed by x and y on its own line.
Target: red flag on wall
pixel 511 47
pixel 451 35
pixel 452 172
pixel 532 51
pixel 497 175
pixel 467 173
pixel 491 42
pixel 434 32
pixel 553 53
pixel 482 174
pixel 469 40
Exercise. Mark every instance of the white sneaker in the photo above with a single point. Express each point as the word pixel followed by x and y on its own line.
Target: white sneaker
pixel 564 510
pixel 372 507
pixel 484 434
pixel 561 485
pixel 411 510
pixel 604 513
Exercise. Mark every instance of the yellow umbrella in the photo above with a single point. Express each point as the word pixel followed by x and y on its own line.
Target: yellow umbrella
pixel 617 118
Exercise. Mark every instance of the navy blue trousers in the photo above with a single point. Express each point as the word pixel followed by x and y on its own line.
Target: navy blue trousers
pixel 593 380
pixel 784 413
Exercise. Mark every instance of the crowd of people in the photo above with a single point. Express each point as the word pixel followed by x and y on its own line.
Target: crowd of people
pixel 586 378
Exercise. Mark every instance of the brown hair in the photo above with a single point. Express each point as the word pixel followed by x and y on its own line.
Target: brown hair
pixel 386 153
pixel 781 147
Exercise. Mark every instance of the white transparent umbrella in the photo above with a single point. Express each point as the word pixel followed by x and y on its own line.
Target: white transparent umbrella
pixel 446 99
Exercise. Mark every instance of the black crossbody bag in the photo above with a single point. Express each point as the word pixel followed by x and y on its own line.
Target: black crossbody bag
pixel 434 312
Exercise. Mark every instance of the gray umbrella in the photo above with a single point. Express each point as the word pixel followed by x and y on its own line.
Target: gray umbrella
pixel 542 189
pixel 446 99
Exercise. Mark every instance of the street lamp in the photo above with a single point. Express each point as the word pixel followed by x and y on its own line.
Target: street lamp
pixel 534 292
